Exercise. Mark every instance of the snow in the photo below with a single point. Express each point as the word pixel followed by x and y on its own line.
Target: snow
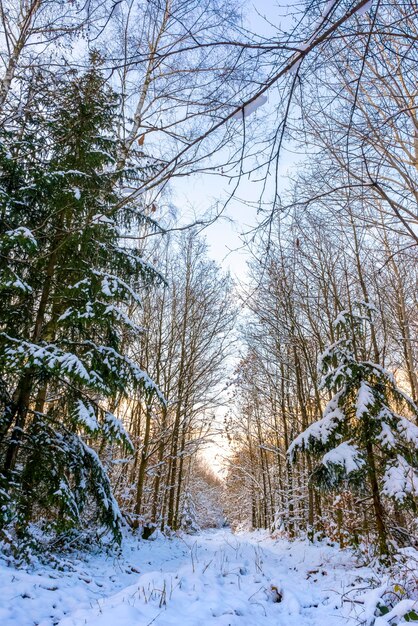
pixel 87 416
pixel 341 318
pixel 250 108
pixel 66 313
pixel 112 359
pixel 215 578
pixel 121 316
pixel 408 430
pixel 369 306
pixel 328 7
pixel 386 436
pixel 403 607
pixel 99 218
pixel 18 283
pixel 371 599
pixel 345 455
pixel 49 356
pixel 322 429
pixel 112 285
pixel 400 480
pixel 115 429
pixel 365 399
pixel 365 8
pixel 66 172
pixel 316 27
pixel 22 233
pixel 295 66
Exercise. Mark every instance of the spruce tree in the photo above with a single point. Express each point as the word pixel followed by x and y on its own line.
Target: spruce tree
pixel 68 284
pixel 366 440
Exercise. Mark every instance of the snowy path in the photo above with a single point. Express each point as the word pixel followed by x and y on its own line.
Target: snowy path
pixel 215 578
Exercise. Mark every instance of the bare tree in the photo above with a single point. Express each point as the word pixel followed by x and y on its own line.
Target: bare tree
pixel 188 340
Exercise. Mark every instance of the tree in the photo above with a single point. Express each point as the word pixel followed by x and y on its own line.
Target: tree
pixel 362 440
pixel 67 282
pixel 189 323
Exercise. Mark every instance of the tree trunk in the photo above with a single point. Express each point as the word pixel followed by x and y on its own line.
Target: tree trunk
pixel 143 462
pixel 377 504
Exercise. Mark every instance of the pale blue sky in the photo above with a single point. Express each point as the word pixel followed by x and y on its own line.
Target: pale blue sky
pixel 194 195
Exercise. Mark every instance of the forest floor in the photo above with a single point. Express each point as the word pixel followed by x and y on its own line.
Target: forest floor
pixel 214 578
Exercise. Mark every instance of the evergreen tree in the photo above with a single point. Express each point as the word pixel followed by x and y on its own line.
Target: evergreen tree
pixel 68 284
pixel 363 441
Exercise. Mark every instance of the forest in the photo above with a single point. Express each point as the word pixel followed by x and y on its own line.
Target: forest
pixel 197 416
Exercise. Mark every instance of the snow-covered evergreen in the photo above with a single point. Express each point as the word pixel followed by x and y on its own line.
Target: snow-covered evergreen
pixel 366 438
pixel 68 286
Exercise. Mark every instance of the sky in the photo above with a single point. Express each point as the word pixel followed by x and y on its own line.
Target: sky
pixel 194 196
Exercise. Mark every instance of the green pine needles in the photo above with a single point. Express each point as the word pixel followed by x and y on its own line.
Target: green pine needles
pixel 366 440
pixel 68 286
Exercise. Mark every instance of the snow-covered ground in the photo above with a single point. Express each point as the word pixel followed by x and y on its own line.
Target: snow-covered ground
pixel 215 578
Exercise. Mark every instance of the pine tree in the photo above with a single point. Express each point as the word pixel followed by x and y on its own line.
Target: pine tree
pixel 363 441
pixel 68 284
